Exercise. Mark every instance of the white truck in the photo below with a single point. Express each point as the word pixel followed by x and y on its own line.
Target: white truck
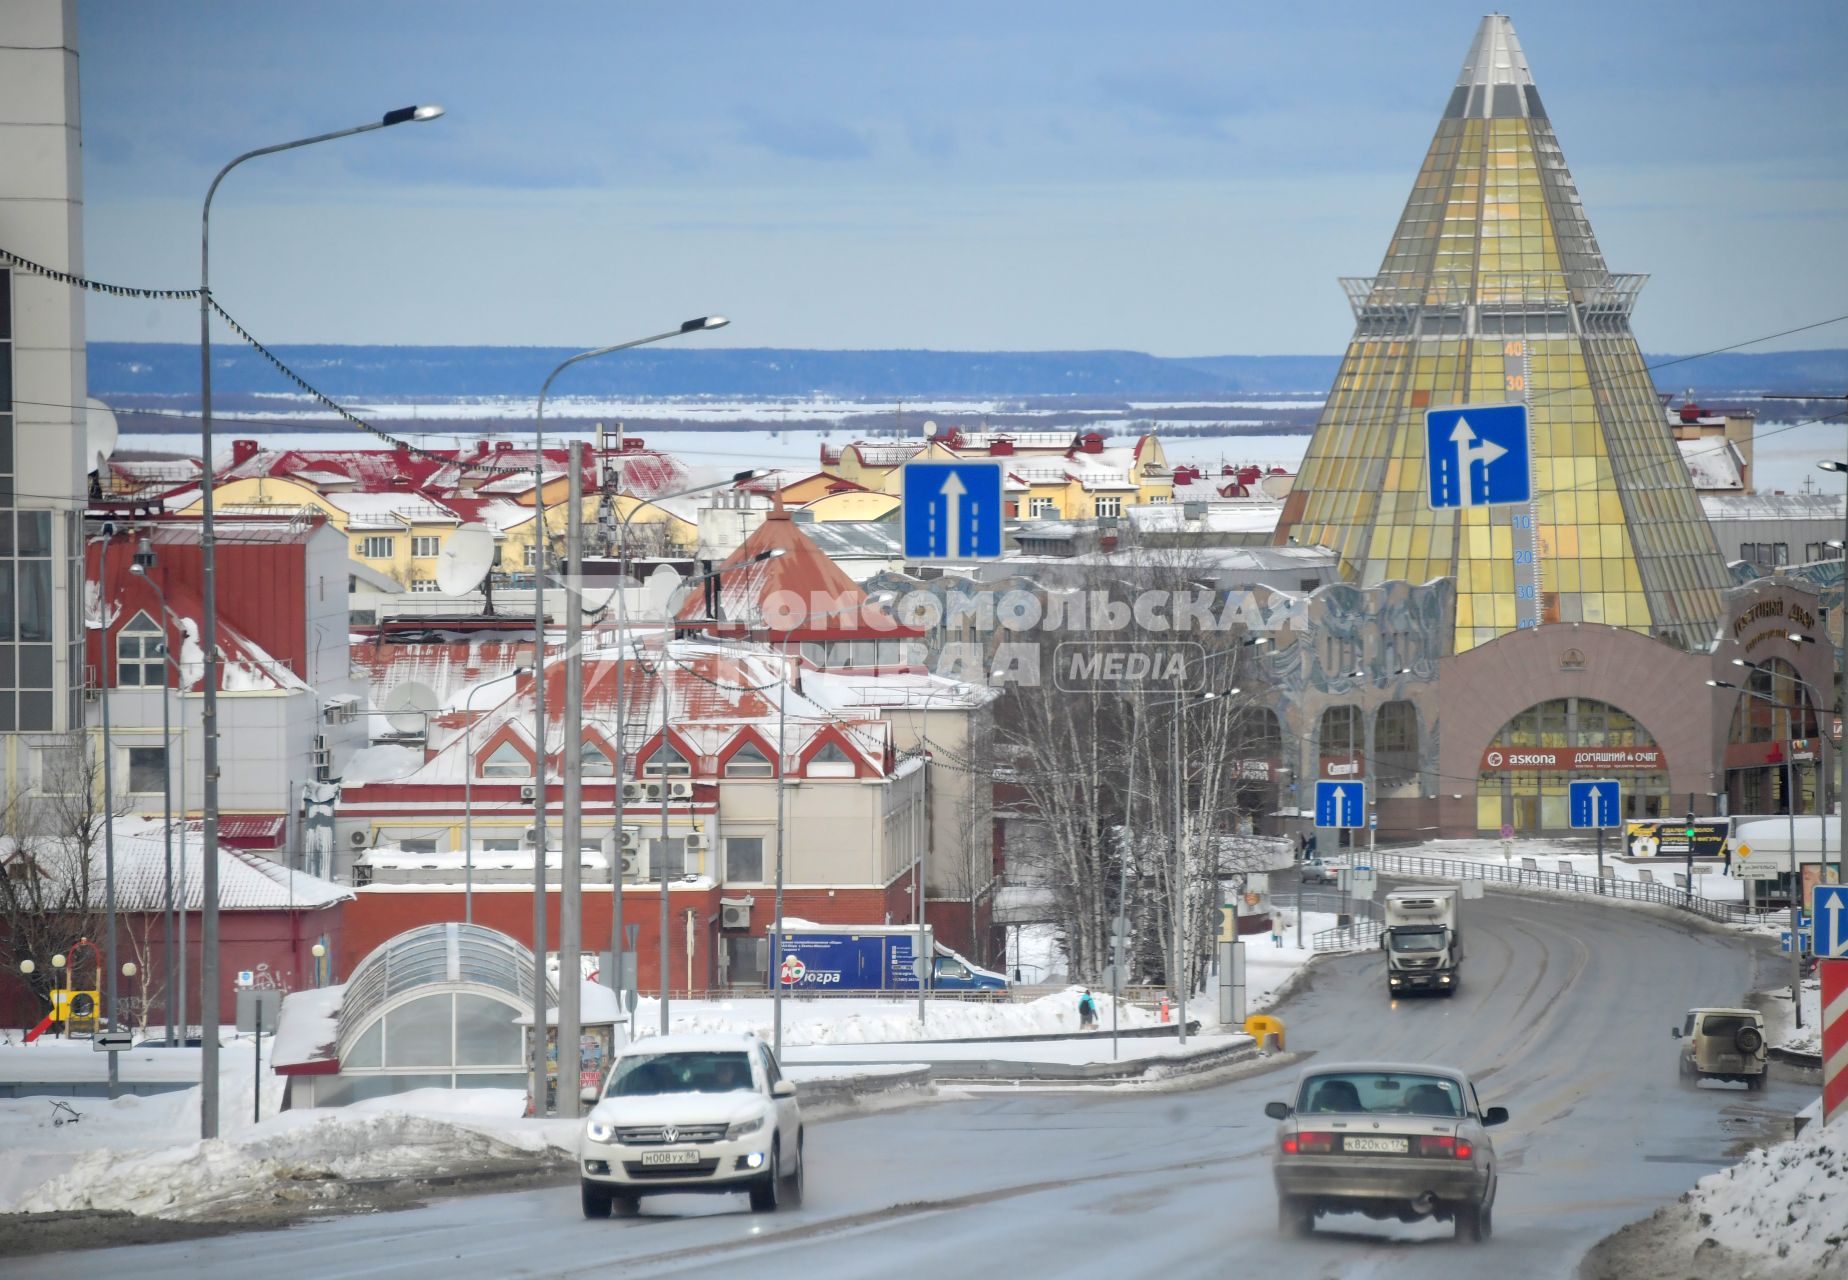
pixel 1423 940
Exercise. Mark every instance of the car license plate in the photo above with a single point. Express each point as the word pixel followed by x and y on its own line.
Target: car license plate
pixel 1380 1146
pixel 680 1155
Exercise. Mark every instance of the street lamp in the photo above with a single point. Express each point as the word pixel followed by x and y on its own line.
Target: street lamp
pixel 208 591
pixel 1790 807
pixel 142 563
pixel 319 952
pixel 568 866
pixel 109 905
pixel 468 798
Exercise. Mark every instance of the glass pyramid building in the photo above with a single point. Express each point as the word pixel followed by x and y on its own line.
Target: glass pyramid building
pixel 1494 291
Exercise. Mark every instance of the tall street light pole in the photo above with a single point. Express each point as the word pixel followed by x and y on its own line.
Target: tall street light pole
pixel 569 988
pixel 109 941
pixel 143 565
pixel 208 712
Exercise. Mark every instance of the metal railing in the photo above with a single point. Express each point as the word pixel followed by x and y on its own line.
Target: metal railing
pixel 1361 935
pixel 1563 882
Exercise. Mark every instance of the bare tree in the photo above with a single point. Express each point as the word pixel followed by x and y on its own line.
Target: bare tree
pixel 50 879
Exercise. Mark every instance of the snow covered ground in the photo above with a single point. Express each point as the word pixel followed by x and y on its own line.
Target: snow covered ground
pixel 1778 1213
pixel 1580 857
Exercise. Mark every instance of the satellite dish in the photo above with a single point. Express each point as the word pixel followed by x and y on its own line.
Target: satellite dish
pixel 99 433
pixel 407 708
pixel 465 559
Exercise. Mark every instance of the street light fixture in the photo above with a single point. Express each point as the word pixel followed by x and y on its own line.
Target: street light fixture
pixel 208 592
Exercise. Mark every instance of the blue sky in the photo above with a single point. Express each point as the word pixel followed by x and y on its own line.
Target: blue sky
pixel 1181 178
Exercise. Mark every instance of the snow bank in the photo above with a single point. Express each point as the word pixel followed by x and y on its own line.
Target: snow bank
pixel 848 1020
pixel 381 764
pixel 1785 1204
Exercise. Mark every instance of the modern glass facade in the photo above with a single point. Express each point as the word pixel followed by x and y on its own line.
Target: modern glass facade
pixel 1494 291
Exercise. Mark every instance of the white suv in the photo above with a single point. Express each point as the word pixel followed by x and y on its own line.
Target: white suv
pixel 692 1113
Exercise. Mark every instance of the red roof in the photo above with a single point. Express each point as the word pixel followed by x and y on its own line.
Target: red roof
pixel 797 594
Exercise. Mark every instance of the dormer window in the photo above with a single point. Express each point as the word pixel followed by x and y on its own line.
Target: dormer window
pixel 141 654
pixel 593 763
pixel 667 762
pixel 749 762
pixel 830 762
pixel 505 761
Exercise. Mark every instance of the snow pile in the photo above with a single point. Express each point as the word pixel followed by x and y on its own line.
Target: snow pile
pixel 1786 1205
pixel 381 764
pixel 206 1178
pixel 847 1020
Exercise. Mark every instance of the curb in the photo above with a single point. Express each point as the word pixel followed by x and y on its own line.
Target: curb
pixel 850 1089
pixel 999 1071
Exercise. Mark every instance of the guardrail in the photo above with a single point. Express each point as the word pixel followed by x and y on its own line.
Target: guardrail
pixel 1361 934
pixel 1565 882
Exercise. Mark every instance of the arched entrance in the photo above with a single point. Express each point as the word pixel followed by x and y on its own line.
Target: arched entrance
pixel 1528 764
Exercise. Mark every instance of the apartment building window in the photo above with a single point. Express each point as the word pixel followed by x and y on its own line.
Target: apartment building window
pixel 425 586
pixel 744 858
pixel 1037 507
pixel 425 546
pixel 26 604
pixel 147 769
pixel 1109 507
pixel 140 650
pixel 378 547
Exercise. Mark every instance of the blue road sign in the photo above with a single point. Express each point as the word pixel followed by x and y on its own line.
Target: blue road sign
pixel 952 510
pixel 1340 804
pixel 1477 456
pixel 1830 909
pixel 1595 803
pixel 1783 942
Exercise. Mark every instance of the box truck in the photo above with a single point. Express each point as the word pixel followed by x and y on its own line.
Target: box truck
pixel 1423 940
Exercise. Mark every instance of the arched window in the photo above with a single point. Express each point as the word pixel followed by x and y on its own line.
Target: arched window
pixel 1342 734
pixel 595 764
pixel 1537 799
pixel 830 762
pixel 505 761
pixel 676 765
pixel 1395 741
pixel 748 762
pixel 141 650
pixel 1775 705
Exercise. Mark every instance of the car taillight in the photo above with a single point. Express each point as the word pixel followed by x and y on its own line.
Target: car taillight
pixel 1308 1144
pixel 1444 1145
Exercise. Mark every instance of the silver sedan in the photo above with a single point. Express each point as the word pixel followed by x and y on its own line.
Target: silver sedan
pixel 1386 1140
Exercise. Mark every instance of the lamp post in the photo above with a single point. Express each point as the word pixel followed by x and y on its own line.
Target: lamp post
pixel 142 564
pixel 570 926
pixel 109 904
pixel 319 952
pixel 208 591
pixel 1796 879
pixel 468 798
pixel 617 950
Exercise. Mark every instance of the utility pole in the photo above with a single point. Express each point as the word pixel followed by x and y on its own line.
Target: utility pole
pixel 570 870
pixel 667 638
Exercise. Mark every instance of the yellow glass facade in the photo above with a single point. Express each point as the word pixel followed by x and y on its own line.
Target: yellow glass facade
pixel 1494 291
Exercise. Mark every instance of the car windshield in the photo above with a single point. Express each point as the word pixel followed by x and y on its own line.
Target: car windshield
pixel 1432 941
pixel 644 1075
pixel 1381 1093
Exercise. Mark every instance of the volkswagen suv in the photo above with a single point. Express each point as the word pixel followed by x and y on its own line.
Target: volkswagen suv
pixel 702 1113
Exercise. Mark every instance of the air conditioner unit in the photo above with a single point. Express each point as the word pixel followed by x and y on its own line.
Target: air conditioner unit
pixel 734 915
pixel 679 790
pixel 634 867
pixel 530 837
pixel 321 759
pixel 528 791
pixel 631 839
pixel 696 840
pixel 632 792
pixel 357 839
pixel 653 790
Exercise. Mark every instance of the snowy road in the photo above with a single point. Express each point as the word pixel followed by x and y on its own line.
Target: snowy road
pixel 1563 1017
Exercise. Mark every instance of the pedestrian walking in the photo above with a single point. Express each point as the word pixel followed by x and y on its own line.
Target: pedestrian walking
pixel 1087 1011
pixel 1277 923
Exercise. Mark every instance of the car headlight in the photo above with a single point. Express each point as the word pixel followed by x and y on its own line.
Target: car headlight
pixel 597 1131
pixel 743 1127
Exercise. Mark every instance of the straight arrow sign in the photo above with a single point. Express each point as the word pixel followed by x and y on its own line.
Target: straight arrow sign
pixel 1831 941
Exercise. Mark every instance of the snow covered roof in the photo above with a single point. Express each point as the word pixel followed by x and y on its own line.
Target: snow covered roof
pixel 246 881
pixel 1771 506
pixel 1233 515
pixel 1714 463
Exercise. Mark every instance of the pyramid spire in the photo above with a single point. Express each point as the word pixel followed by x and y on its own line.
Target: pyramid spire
pixel 1493 290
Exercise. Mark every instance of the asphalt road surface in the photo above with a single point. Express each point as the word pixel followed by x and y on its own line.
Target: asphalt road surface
pixel 1563 1017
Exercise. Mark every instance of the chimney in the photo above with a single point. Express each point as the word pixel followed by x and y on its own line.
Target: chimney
pixel 1001 449
pixel 242 451
pixel 481 448
pixel 1091 442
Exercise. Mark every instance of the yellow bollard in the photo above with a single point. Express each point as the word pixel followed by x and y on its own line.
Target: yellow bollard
pixel 1264 1028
